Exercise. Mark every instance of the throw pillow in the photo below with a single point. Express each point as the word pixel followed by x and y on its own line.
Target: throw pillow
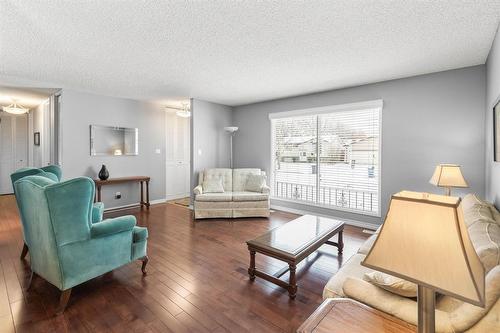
pixel 213 185
pixel 393 284
pixel 254 183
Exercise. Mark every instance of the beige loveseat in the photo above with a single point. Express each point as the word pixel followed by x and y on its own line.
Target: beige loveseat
pixel 234 201
pixel 452 315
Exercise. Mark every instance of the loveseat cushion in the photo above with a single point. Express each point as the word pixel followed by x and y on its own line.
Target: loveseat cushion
pixel 401 307
pixel 254 183
pixel 367 245
pixel 250 196
pixel 219 173
pixel 392 283
pixel 459 319
pixel 226 196
pixel 352 268
pixel 485 237
pixel 474 210
pixel 240 177
pixel 213 185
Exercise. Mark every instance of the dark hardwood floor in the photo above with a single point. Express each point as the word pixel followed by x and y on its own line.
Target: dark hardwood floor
pixel 197 280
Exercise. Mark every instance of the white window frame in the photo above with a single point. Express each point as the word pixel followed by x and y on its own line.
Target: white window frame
pixel 373 104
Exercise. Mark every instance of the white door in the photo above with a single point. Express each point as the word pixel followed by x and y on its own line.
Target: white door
pixel 177 154
pixel 13 147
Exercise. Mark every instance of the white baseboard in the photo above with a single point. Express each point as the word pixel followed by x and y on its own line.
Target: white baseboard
pixel 176 196
pixel 355 223
pixel 152 202
pixel 158 201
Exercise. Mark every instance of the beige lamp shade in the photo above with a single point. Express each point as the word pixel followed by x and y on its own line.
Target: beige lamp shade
pixel 448 175
pixel 424 240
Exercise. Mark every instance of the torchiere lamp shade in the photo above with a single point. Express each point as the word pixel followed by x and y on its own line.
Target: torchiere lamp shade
pixel 448 175
pixel 424 240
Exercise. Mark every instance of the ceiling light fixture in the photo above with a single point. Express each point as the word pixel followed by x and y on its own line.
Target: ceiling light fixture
pixel 184 112
pixel 15 108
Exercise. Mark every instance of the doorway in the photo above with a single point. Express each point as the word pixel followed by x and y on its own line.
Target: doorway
pixel 13 147
pixel 178 154
pixel 27 130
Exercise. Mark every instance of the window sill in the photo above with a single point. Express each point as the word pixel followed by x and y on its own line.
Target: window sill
pixel 333 208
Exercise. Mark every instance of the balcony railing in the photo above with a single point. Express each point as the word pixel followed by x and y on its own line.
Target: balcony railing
pixel 366 201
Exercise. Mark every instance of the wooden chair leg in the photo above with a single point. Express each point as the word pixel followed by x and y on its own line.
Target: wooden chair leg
pixel 32 280
pixel 63 301
pixel 24 252
pixel 144 263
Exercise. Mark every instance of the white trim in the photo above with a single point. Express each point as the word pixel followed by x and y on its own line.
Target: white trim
pixel 30 138
pixel 374 104
pixel 365 225
pixel 158 201
pixel 134 205
pixel 332 208
pixel 176 196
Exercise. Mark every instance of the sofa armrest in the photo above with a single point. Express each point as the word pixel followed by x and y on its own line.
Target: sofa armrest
pixel 401 307
pixel 266 189
pixel 198 190
pixel 112 226
pixel 97 212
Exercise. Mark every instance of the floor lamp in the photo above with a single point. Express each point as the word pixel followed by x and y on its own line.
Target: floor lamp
pixel 424 240
pixel 231 130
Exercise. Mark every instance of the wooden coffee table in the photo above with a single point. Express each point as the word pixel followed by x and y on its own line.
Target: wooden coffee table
pixel 291 243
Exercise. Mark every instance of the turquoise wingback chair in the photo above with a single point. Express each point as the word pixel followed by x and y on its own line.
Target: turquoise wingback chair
pixel 54 173
pixel 66 247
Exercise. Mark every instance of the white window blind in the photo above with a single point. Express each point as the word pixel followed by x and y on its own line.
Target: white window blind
pixel 346 175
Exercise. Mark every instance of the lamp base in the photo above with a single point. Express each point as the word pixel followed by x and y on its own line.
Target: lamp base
pixel 426 309
pixel 447 191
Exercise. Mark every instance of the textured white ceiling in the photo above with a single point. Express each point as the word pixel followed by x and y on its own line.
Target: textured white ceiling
pixel 237 52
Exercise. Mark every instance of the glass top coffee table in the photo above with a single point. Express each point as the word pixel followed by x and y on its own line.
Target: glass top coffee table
pixel 292 243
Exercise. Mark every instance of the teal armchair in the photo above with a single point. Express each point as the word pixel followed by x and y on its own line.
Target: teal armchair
pixel 54 173
pixel 66 247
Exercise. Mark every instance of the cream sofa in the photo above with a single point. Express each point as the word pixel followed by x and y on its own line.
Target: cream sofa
pixel 452 315
pixel 234 201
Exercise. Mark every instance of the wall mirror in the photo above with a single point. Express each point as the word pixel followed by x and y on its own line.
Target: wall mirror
pixel 113 141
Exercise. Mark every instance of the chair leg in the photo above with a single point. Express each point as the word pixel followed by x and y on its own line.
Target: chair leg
pixel 32 280
pixel 63 301
pixel 144 260
pixel 24 252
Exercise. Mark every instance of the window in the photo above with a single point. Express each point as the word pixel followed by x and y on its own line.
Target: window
pixel 328 156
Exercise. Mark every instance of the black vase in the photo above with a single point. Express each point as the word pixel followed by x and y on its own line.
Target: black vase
pixel 103 174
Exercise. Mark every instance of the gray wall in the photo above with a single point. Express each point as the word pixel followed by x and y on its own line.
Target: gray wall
pixel 426 120
pixel 492 95
pixel 79 110
pixel 209 141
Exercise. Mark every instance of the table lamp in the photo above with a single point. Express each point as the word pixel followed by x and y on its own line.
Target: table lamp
pixel 448 176
pixel 424 240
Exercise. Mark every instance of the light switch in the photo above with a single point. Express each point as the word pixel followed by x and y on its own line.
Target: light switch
pixel 199 152
pixel 157 151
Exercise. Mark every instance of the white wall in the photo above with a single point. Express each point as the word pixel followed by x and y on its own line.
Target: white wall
pixel 80 110
pixel 209 141
pixel 492 96
pixel 426 120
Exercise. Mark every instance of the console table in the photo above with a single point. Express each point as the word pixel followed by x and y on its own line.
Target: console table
pixel 134 179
